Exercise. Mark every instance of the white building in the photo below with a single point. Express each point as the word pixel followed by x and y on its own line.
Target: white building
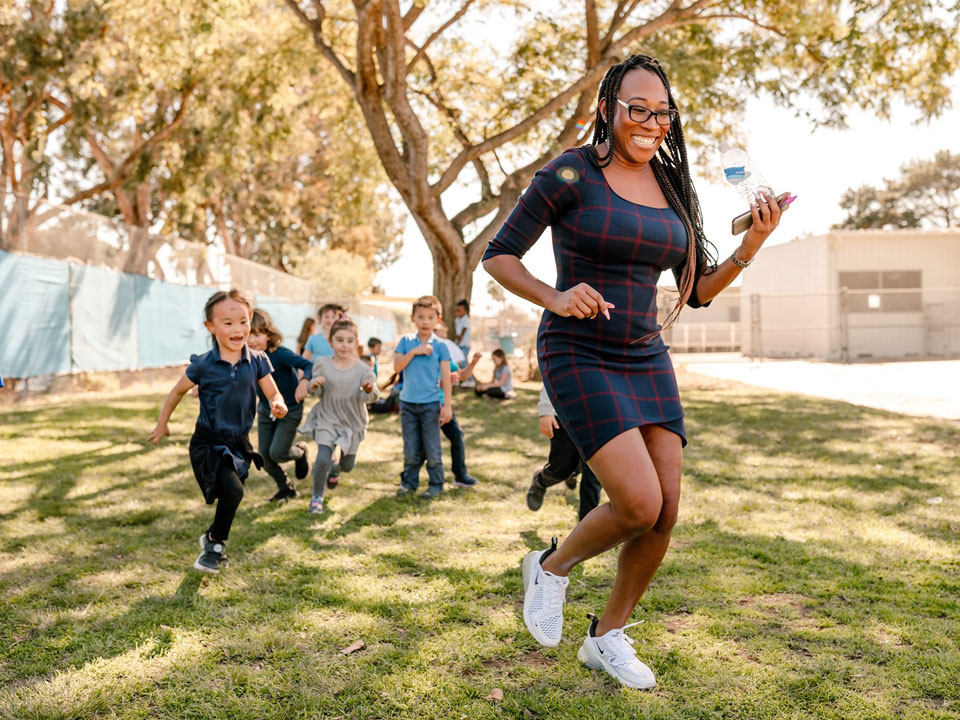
pixel 854 295
pixel 711 329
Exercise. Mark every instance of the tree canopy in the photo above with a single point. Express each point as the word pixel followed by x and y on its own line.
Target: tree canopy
pixel 205 119
pixel 927 194
pixel 451 103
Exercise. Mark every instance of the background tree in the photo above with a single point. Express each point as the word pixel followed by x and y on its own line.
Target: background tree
pixel 217 131
pixel 927 194
pixel 448 110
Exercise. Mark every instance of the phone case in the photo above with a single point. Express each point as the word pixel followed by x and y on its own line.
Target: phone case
pixel 742 223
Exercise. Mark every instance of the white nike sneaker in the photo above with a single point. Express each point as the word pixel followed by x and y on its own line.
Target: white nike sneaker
pixel 614 653
pixel 543 598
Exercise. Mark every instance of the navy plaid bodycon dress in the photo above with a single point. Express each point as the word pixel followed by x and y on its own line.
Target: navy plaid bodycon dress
pixel 601 382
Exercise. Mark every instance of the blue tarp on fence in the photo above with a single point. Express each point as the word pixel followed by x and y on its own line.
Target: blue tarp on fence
pixel 58 317
pixel 34 316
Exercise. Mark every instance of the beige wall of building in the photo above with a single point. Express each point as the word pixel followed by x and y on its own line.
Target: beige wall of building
pixel 855 295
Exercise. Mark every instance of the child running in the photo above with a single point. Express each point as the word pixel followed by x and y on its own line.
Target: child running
pixel 220 452
pixel 276 436
pixel 422 358
pixel 344 386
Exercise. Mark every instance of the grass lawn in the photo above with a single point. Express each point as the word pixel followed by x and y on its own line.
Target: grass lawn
pixel 810 576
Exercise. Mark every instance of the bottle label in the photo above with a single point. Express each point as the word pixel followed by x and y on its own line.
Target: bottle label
pixel 736 174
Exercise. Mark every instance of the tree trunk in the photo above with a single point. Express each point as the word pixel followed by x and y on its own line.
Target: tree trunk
pixel 451 284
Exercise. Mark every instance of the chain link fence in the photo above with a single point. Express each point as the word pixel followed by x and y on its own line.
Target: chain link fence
pixel 66 233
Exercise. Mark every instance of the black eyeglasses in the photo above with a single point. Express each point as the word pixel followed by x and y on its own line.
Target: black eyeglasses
pixel 640 114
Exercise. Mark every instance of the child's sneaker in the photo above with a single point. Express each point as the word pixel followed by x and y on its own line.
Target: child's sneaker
pixel 288 492
pixel 614 653
pixel 404 491
pixel 301 465
pixel 316 505
pixel 333 481
pixel 431 493
pixel 572 482
pixel 211 556
pixel 535 493
pixel 543 596
pixel 467 481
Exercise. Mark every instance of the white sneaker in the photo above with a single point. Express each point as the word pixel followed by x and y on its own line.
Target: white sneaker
pixel 614 653
pixel 543 598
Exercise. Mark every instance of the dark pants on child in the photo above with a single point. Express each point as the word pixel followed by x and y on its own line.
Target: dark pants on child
pixel 229 489
pixel 458 453
pixel 563 462
pixel 276 441
pixel 385 404
pixel 324 467
pixel 494 392
pixel 420 425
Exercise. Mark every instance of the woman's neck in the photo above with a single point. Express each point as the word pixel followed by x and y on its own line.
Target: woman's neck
pixel 619 162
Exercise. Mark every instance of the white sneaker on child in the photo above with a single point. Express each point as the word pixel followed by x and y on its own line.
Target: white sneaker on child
pixel 613 652
pixel 543 596
pixel 316 505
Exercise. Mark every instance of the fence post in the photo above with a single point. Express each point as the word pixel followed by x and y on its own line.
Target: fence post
pixel 756 329
pixel 844 325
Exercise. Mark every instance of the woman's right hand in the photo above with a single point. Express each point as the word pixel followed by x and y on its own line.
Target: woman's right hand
pixel 581 301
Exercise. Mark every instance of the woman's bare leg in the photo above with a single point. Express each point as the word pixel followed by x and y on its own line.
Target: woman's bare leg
pixel 640 557
pixel 628 474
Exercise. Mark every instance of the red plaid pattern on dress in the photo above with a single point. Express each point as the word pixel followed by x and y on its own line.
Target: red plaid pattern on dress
pixel 600 382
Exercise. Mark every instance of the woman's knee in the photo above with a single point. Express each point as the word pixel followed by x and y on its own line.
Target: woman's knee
pixel 638 515
pixel 668 516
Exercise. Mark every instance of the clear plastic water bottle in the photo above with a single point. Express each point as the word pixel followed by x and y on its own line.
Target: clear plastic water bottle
pixel 742 173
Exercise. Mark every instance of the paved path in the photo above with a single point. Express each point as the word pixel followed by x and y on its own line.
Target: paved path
pixel 916 388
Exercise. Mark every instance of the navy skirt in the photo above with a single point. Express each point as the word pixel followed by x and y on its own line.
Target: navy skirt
pixel 598 398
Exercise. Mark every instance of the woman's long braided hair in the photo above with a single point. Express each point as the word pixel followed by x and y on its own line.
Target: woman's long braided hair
pixel 669 166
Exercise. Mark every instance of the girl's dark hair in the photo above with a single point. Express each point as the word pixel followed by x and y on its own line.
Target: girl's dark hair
pixel 343 324
pixel 338 309
pixel 670 167
pixel 499 353
pixel 261 323
pixel 221 295
pixel 306 330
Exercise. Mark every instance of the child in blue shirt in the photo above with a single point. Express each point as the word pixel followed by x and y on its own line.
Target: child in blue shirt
pixel 276 436
pixel 422 357
pixel 220 451
pixel 318 345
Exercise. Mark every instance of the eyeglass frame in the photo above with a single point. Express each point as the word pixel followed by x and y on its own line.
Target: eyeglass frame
pixel 672 114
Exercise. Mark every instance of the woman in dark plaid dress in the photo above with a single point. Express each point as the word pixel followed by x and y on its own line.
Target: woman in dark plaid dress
pixel 621 211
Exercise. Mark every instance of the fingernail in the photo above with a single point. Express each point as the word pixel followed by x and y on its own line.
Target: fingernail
pixel 753 205
pixel 788 201
pixel 606 314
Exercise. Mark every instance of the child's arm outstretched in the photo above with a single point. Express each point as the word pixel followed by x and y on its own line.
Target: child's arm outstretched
pixel 278 408
pixel 369 391
pixel 169 405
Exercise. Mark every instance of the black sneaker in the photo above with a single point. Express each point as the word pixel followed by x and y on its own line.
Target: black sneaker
pixel 431 493
pixel 467 481
pixel 572 482
pixel 285 493
pixel 333 481
pixel 302 464
pixel 212 557
pixel 536 492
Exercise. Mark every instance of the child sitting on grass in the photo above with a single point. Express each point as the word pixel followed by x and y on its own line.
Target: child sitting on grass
pixel 501 387
pixel 276 436
pixel 344 385
pixel 220 451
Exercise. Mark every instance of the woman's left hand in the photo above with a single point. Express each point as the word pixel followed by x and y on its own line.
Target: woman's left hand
pixel 766 216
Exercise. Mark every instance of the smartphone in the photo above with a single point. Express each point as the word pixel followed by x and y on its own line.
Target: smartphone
pixel 741 223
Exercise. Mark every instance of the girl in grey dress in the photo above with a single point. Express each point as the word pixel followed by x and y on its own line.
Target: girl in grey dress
pixel 343 385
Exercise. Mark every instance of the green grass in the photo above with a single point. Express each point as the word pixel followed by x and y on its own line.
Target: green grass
pixel 808 578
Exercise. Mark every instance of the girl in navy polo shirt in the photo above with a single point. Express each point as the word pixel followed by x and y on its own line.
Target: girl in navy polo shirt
pixel 220 451
pixel 276 436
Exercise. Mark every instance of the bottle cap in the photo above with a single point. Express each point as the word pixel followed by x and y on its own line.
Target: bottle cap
pixel 724 146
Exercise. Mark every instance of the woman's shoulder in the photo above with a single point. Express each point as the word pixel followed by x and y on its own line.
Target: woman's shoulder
pixel 575 159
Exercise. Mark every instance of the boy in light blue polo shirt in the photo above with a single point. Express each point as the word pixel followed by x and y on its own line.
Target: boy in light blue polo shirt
pixel 422 357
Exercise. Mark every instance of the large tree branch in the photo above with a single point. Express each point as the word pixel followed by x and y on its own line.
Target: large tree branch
pixel 438 32
pixel 671 17
pixel 120 171
pixel 315 25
